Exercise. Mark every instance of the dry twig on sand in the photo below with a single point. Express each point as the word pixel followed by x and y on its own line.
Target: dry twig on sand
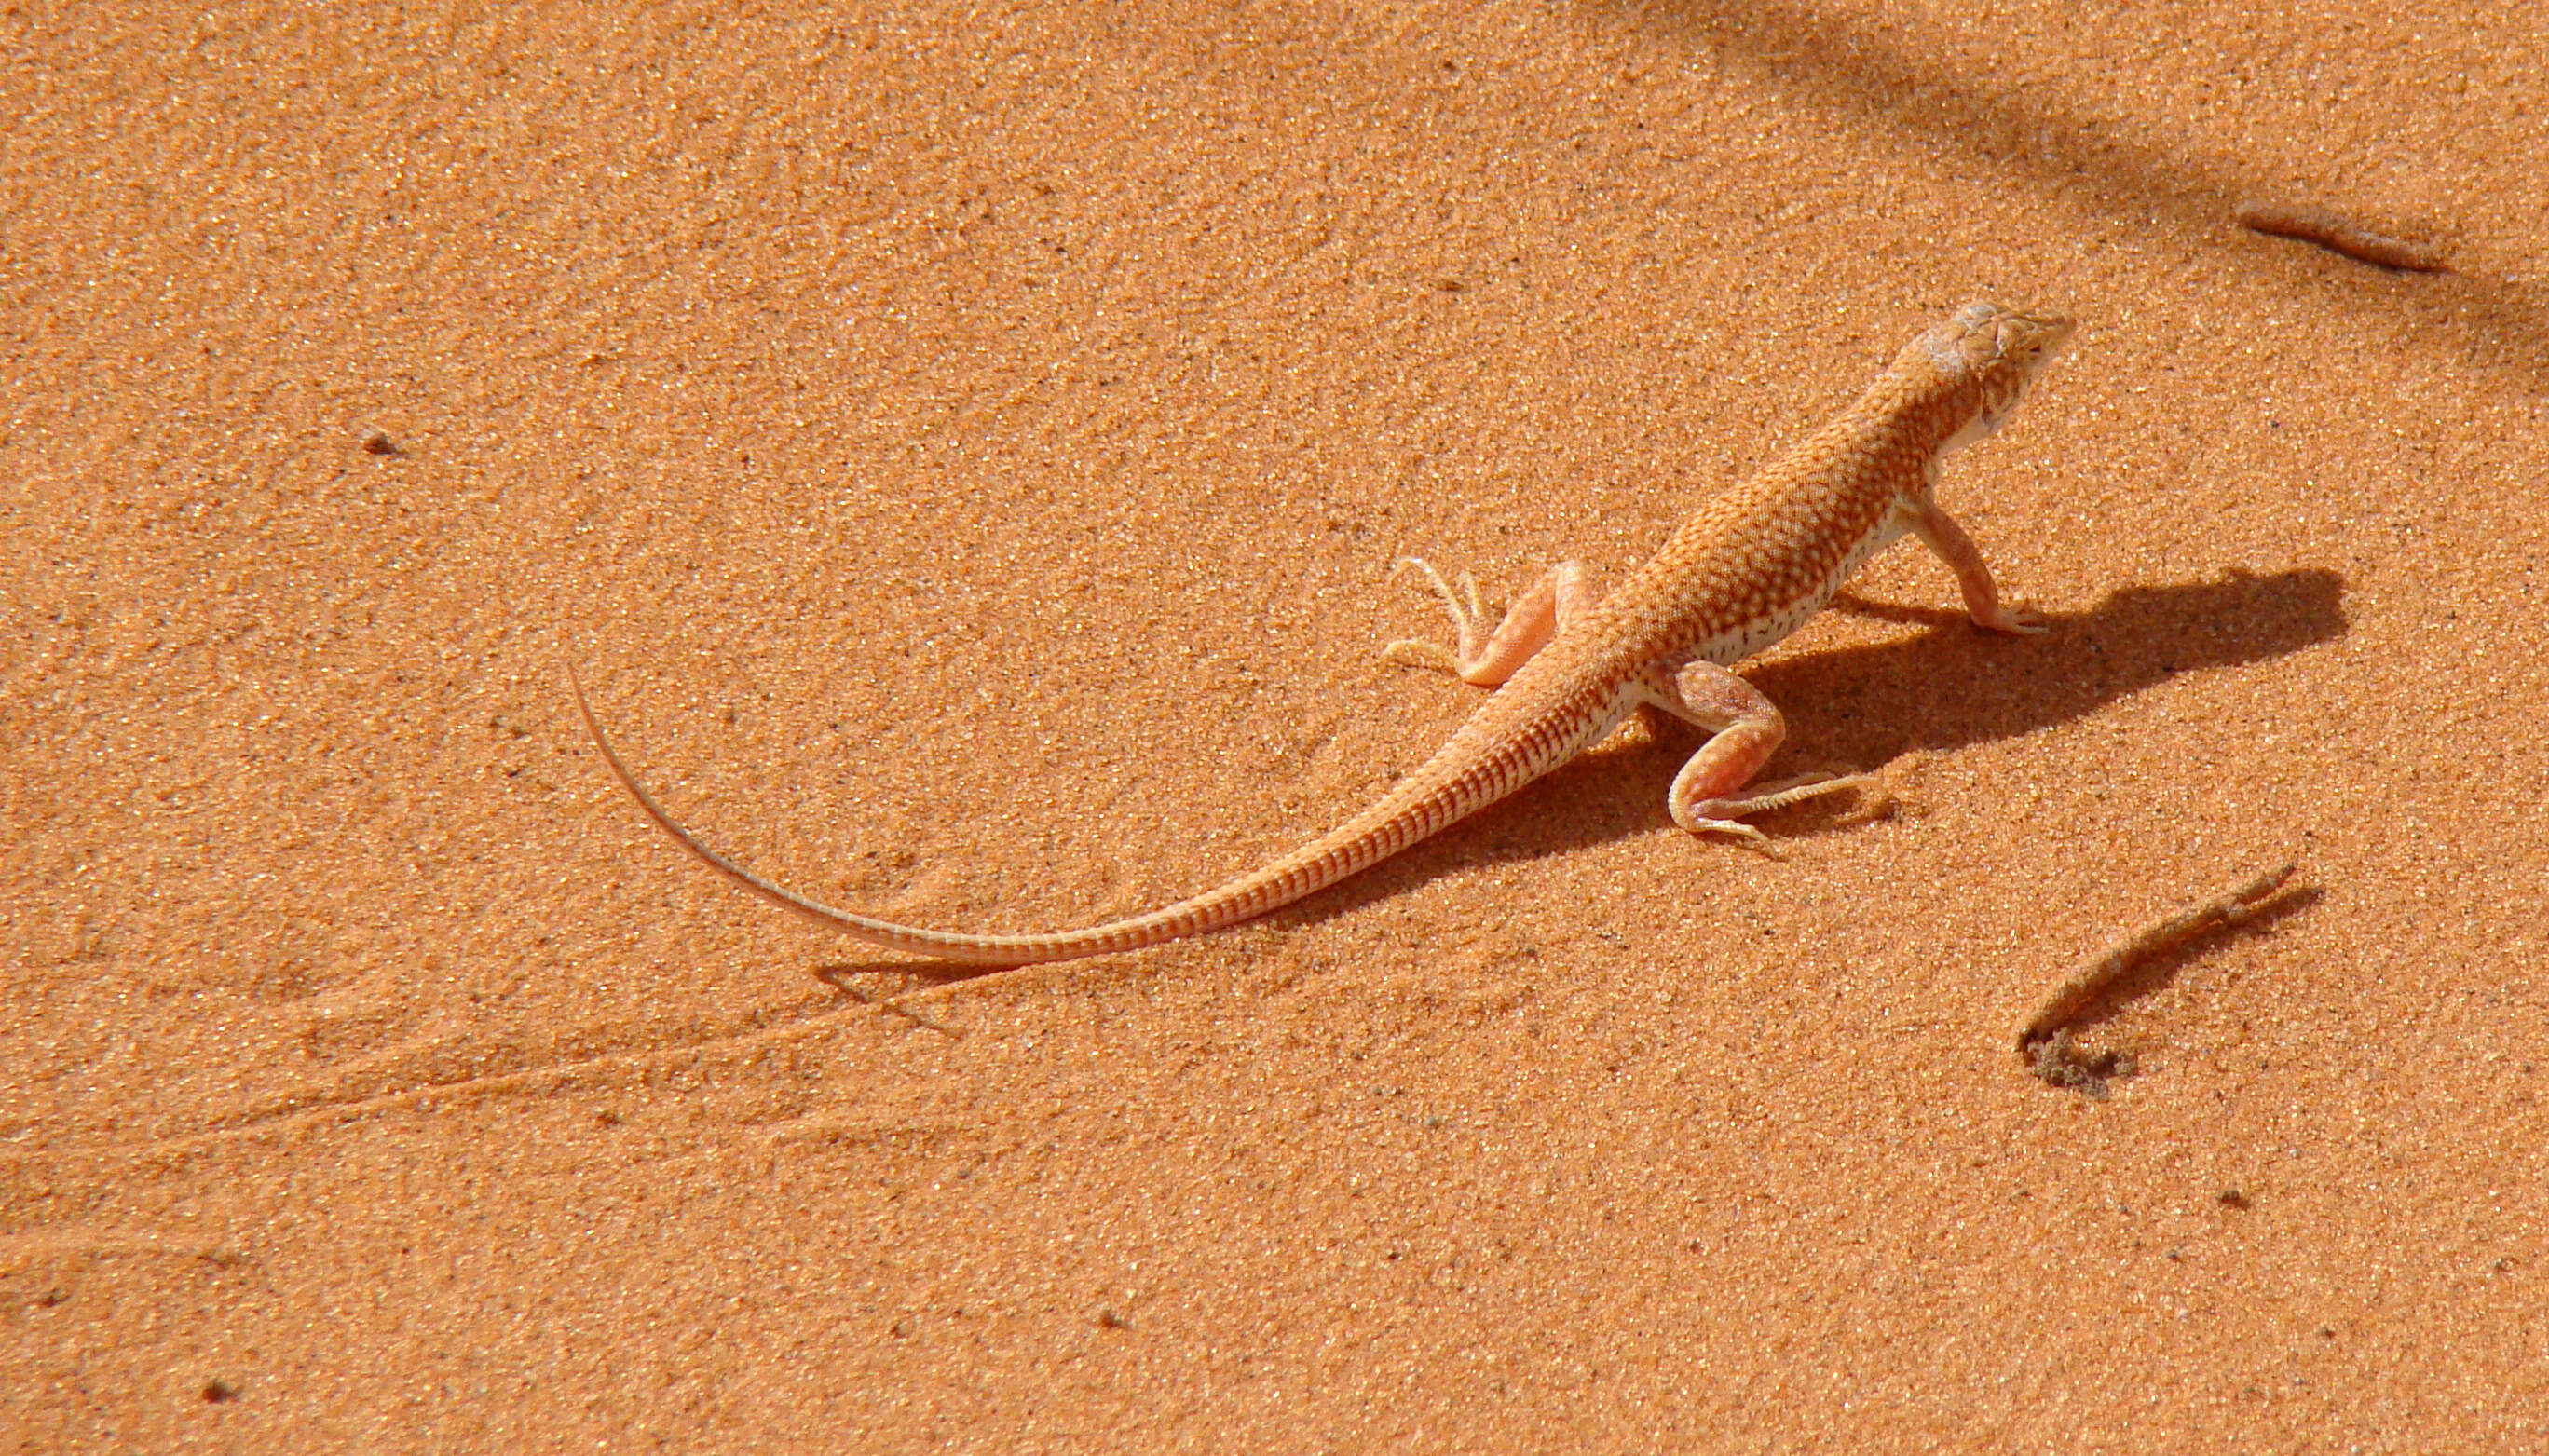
pixel 2337 235
pixel 2044 1041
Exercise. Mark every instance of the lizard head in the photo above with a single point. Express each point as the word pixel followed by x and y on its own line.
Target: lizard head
pixel 1982 359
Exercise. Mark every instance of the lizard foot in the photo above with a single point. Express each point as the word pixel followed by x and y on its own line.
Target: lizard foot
pixel 1468 608
pixel 1724 816
pixel 2024 621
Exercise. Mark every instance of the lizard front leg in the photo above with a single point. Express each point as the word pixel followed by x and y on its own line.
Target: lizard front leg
pixel 1745 728
pixel 1939 533
pixel 1484 658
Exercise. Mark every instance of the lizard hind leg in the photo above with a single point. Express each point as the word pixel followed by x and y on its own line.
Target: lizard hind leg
pixel 1486 659
pixel 1745 728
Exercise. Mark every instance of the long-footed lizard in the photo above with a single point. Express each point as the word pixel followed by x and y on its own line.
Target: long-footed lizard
pixel 1568 666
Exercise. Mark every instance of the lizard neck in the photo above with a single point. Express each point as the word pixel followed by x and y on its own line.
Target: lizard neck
pixel 1920 413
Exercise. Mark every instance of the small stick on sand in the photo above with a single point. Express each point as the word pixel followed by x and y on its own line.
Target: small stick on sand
pixel 2337 235
pixel 2155 939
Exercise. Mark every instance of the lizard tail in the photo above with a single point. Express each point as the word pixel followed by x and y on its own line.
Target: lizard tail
pixel 1418 806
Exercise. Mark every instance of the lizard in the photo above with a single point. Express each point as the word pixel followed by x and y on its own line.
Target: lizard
pixel 1567 665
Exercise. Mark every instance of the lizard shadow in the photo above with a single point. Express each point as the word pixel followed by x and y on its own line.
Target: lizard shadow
pixel 1862 707
pixel 1948 687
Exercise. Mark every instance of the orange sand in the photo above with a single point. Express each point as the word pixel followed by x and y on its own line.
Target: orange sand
pixel 965 449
